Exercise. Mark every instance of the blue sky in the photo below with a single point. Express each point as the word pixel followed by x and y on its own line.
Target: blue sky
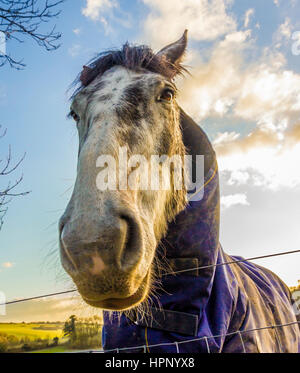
pixel 258 218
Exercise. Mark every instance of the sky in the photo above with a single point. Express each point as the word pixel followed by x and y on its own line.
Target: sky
pixel 244 91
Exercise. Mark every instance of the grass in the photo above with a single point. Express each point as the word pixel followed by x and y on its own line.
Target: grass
pixel 32 331
pixel 51 350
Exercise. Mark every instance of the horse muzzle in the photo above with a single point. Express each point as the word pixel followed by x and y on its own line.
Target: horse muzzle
pixel 103 257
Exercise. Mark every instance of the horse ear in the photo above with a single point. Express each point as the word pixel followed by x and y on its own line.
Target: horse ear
pixel 174 52
pixel 85 75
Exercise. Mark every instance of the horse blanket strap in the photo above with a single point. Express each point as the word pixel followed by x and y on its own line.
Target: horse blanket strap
pixel 182 264
pixel 171 321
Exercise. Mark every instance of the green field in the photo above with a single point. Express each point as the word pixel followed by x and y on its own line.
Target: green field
pixel 39 337
pixel 52 350
pixel 33 331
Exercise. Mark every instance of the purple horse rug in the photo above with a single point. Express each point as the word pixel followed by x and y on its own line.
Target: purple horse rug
pixel 208 306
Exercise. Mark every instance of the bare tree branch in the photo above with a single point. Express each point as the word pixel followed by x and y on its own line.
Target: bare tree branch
pixel 7 192
pixel 24 18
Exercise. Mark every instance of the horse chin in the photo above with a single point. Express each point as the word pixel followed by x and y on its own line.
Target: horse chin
pixel 112 302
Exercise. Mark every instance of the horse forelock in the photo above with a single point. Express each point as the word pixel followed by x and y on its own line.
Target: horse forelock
pixel 136 58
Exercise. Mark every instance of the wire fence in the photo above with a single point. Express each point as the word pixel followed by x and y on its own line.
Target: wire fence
pixel 177 344
pixel 164 274
pixel 206 338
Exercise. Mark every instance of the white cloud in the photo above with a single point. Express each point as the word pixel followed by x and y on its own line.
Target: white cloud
pixel 107 12
pixel 270 167
pixel 225 137
pixel 212 90
pixel 238 177
pixel 265 93
pixel 105 24
pixel 248 15
pixel 94 8
pixel 224 82
pixel 269 95
pixel 77 31
pixel 285 28
pixel 74 50
pixel 205 20
pixel 234 199
pixel 283 34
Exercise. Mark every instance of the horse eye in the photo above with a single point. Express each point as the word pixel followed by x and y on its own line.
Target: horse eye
pixel 166 95
pixel 74 116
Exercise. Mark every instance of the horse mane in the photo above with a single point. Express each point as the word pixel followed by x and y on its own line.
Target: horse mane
pixel 132 57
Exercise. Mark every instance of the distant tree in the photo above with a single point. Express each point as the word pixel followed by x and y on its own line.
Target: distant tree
pixel 88 334
pixel 7 190
pixel 21 19
pixel 55 341
pixel 3 344
pixel 26 347
pixel 70 327
pixel 13 340
pixel 98 318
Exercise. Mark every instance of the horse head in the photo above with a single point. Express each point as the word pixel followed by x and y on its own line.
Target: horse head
pixel 109 236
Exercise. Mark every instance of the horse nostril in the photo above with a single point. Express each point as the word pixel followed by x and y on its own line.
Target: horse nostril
pixel 61 228
pixel 61 224
pixel 65 252
pixel 92 247
pixel 131 250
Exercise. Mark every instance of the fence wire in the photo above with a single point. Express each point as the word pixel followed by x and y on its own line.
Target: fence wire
pixel 164 274
pixel 177 344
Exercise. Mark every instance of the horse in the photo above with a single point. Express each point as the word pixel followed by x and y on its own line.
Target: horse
pixel 150 258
